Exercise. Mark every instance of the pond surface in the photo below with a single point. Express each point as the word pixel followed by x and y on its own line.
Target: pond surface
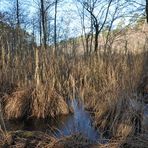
pixel 145 118
pixel 146 110
pixel 78 122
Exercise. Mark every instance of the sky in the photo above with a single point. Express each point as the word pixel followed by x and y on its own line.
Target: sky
pixel 68 12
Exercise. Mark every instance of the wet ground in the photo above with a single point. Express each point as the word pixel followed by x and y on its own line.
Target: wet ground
pixel 78 122
pixel 145 118
pixel 146 110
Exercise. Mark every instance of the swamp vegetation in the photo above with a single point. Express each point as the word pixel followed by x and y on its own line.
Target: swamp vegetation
pixel 83 92
pixel 110 88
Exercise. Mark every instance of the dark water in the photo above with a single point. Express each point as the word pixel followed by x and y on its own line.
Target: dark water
pixel 146 110
pixel 145 118
pixel 78 122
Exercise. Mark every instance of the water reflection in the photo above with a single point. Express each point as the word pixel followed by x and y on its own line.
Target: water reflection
pixel 78 122
pixel 146 110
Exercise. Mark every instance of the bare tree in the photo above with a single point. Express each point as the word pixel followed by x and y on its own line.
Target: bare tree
pixel 97 21
pixel 43 8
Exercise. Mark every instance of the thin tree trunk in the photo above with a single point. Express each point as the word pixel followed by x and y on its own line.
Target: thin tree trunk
pixel 96 37
pixel 55 27
pixel 17 13
pixel 40 28
pixel 146 9
pixel 43 24
pixel 18 44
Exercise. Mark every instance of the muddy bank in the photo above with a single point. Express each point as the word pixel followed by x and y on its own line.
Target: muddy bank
pixel 25 139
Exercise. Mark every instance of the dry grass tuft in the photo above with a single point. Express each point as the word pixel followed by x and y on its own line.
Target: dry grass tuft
pixel 34 102
pixel 116 108
pixel 17 104
pixel 48 103
pixel 120 119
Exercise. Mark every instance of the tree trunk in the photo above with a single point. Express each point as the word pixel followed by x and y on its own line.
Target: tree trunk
pixel 55 27
pixel 96 37
pixel 146 9
pixel 43 24
pixel 17 13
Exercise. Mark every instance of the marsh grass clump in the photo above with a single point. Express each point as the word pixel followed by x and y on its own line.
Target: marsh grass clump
pixel 36 92
pixel 17 104
pixel 111 95
pixel 120 119
pixel 34 102
pixel 48 103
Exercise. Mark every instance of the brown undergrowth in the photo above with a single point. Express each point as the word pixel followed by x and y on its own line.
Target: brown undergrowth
pixel 33 102
pixel 106 83
pixel 23 139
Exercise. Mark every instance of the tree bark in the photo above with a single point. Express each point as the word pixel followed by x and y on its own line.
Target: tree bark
pixel 17 13
pixel 146 9
pixel 96 37
pixel 43 24
pixel 55 26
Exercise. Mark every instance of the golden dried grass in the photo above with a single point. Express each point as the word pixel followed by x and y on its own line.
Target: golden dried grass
pixel 34 102
pixel 17 104
pixel 105 84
